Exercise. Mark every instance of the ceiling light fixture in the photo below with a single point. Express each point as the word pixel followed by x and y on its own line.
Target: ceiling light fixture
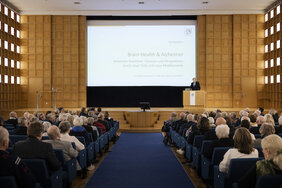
pixel 205 2
pixel 141 2
pixel 76 3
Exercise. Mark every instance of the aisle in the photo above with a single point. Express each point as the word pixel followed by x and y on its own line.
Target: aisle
pixel 140 160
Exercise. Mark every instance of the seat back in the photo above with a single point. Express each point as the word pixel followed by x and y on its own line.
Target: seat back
pixel 260 151
pixel 237 166
pixel 8 181
pixel 81 139
pixel 39 169
pixel 218 154
pixel 198 141
pixel 15 138
pixel 60 155
pixel 269 181
pixel 90 137
pixel 205 145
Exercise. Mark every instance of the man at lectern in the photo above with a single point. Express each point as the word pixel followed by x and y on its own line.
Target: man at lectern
pixel 195 85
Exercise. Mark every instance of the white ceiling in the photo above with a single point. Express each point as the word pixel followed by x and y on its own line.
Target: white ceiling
pixel 132 7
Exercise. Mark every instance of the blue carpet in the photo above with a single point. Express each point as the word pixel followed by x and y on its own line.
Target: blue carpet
pixel 140 160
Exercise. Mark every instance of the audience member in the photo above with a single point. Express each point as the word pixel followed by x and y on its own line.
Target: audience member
pixel 265 130
pixel 269 119
pixel 246 124
pixel 210 135
pixel 255 129
pixel 271 165
pixel 46 125
pixel 22 128
pixel 243 144
pixel 83 112
pixel 13 119
pixel 278 129
pixel 203 127
pixel 65 130
pixel 79 130
pixel 99 125
pixel 222 133
pixel 102 121
pixel 33 147
pixel 12 165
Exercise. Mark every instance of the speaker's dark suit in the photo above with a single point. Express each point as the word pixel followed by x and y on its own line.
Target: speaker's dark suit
pixel 32 148
pixel 196 87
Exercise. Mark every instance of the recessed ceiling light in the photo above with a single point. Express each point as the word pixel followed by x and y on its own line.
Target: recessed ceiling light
pixel 76 3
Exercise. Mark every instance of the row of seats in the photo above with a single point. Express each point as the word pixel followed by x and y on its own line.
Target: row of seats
pixel 208 168
pixel 85 156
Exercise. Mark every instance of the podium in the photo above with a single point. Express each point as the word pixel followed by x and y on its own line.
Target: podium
pixel 194 98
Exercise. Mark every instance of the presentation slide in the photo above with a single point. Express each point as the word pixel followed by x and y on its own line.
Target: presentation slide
pixel 141 55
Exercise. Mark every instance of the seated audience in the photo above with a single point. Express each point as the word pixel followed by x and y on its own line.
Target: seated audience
pixel 33 147
pixel 13 119
pixel 211 120
pixel 94 128
pixel 79 130
pixel 102 121
pixel 269 119
pixel 229 124
pixel 176 125
pixel 83 112
pixel 55 140
pixel 222 133
pixel 203 127
pixel 51 118
pixel 278 129
pixel 243 148
pixel 210 135
pixel 65 130
pixel 88 128
pixel 271 165
pixel 265 130
pixel 187 125
pixel 255 128
pixel 46 125
pixel 275 116
pixel 108 119
pixel 253 120
pixel 246 123
pixel 22 128
pixel 97 124
pixel 12 165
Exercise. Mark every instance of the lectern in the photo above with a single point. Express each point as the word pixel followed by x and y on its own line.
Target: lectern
pixel 194 98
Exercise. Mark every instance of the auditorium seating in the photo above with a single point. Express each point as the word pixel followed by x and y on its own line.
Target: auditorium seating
pixel 236 167
pixel 269 181
pixel 89 149
pixel 39 170
pixel 195 150
pixel 8 182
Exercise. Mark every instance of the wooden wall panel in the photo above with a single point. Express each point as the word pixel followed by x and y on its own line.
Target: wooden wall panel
pixel 55 54
pixel 230 59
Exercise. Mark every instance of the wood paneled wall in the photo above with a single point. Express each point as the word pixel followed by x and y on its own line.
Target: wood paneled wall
pixel 230 59
pixel 54 55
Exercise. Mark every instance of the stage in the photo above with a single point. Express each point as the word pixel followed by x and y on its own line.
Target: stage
pixel 131 123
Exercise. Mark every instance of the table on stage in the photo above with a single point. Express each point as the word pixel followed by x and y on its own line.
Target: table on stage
pixel 139 118
pixel 194 98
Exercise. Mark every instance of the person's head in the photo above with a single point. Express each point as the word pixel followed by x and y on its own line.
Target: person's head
pixel 23 122
pixel 218 115
pixel 247 110
pixel 211 121
pixel 220 121
pixel 245 123
pixel 212 114
pixel 74 112
pixel 84 120
pixel 1 121
pixel 222 131
pixel 101 116
pixel 257 113
pixel 54 132
pixel 266 129
pixel 70 119
pixel 190 117
pixel 280 121
pixel 228 120
pixel 233 116
pixel 194 79
pixel 182 115
pixel 91 113
pixel 90 121
pixel 272 149
pixel 63 117
pixel 4 138
pixel 35 129
pixel 245 118
pixel 269 119
pixel 243 140
pixel 107 115
pixel 260 120
pixel 83 110
pixel 13 115
pixel 51 117
pixel 34 119
pixel 41 117
pixel 61 110
pixel 245 113
pixel 77 121
pixel 46 125
pixel 261 109
pixel 253 118
pixel 64 127
pixel 95 117
pixel 203 124
pixel 99 109
pixel 196 117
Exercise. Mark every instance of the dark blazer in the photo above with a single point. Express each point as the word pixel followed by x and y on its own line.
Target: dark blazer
pixel 196 87
pixel 278 129
pixel 223 142
pixel 32 148
pixel 210 135
pixel 12 166
pixel 255 130
pixel 13 121
pixel 21 130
